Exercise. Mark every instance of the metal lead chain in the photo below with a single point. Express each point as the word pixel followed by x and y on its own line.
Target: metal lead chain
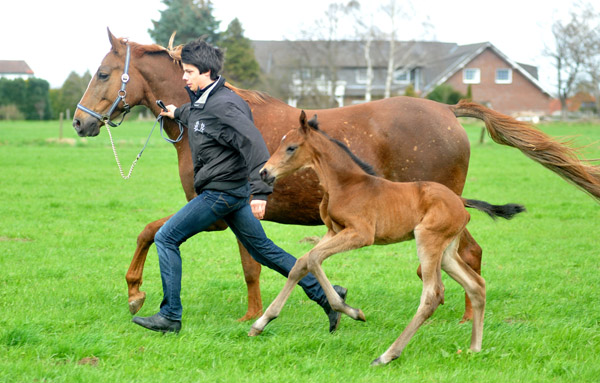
pixel 112 143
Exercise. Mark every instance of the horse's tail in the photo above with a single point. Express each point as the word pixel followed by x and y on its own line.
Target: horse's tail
pixel 504 211
pixel 555 155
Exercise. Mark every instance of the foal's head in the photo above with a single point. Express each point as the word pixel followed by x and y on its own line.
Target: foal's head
pixel 299 147
pixel 292 154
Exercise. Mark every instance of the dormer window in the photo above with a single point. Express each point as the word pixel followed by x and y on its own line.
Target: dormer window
pixel 401 76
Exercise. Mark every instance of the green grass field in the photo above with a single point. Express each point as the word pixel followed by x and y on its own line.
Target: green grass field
pixel 69 227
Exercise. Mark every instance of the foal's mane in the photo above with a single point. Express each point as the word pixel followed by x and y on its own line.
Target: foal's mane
pixel 363 165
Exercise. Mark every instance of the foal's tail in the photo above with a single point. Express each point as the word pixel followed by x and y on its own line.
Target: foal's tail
pixel 556 156
pixel 505 211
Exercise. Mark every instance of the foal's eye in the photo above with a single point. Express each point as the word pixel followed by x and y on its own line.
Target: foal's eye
pixel 102 76
pixel 291 149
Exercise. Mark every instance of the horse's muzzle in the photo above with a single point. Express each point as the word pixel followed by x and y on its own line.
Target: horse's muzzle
pixel 86 127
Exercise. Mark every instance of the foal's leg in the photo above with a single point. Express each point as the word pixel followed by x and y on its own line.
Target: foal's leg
pixel 345 240
pixel 429 250
pixel 471 253
pixel 474 286
pixel 299 271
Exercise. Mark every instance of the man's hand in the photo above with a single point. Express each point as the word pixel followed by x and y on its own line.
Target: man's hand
pixel 170 113
pixel 258 208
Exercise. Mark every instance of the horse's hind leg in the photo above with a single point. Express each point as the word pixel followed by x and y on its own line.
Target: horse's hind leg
pixel 431 297
pixel 252 276
pixel 474 286
pixel 136 268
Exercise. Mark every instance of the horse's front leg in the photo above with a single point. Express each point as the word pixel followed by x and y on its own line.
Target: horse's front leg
pixel 252 276
pixel 298 272
pixel 136 268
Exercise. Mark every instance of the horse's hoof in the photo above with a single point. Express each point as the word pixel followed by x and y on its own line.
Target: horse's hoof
pixel 467 317
pixel 254 332
pixel 136 304
pixel 249 316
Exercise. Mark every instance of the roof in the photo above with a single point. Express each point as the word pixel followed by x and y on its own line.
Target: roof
pixel 14 67
pixel 438 61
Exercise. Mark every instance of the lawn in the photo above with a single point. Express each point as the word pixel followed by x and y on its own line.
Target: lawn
pixel 69 227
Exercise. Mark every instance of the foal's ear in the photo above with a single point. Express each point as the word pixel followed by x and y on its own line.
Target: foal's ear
pixel 313 123
pixel 303 124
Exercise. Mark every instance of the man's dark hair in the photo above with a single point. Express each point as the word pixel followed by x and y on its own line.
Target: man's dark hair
pixel 203 56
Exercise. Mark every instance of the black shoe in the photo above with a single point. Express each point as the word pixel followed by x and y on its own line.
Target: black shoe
pixel 334 316
pixel 158 323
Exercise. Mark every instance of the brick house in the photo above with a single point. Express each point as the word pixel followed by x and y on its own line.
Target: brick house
pixel 338 69
pixel 12 69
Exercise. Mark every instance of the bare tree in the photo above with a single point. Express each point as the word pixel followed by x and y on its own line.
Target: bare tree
pixel 574 44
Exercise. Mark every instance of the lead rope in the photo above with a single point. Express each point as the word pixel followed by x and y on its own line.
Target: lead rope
pixel 112 143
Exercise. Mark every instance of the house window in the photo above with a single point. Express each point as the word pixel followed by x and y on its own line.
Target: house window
pixel 503 76
pixel 471 76
pixel 361 76
pixel 401 76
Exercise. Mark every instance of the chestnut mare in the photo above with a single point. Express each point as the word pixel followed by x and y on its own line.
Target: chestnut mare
pixel 361 209
pixel 404 138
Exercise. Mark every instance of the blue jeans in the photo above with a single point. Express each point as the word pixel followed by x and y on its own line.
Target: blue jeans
pixel 196 216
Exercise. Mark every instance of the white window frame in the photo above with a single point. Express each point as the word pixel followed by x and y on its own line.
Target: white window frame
pixel 401 71
pixel 361 76
pixel 476 78
pixel 504 81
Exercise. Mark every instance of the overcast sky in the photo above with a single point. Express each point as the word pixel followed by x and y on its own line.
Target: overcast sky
pixel 59 36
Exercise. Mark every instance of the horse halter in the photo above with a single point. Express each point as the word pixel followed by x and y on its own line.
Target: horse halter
pixel 120 97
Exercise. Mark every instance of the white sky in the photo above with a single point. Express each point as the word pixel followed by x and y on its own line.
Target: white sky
pixel 59 36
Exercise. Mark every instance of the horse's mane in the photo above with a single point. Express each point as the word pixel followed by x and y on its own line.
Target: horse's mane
pixel 363 165
pixel 250 96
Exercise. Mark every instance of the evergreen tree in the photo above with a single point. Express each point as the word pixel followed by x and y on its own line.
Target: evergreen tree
pixel 241 68
pixel 191 19
pixel 446 94
pixel 410 91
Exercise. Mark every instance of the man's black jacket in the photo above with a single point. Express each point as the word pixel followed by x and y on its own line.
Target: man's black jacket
pixel 227 149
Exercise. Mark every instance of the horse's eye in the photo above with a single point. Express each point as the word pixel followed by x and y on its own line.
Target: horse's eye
pixel 291 149
pixel 102 76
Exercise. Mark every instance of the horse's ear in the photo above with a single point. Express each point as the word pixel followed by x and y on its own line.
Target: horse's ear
pixel 313 123
pixel 114 42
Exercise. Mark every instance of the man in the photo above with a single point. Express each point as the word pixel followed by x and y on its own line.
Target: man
pixel 228 152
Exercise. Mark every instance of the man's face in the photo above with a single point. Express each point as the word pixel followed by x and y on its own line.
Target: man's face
pixel 194 79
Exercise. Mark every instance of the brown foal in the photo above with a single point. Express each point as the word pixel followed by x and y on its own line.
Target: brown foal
pixel 361 209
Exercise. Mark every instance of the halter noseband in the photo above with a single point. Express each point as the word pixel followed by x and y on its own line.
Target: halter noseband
pixel 120 97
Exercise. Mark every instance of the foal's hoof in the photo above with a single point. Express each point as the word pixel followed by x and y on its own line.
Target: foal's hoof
pixel 136 304
pixel 377 362
pixel 254 332
pixel 361 316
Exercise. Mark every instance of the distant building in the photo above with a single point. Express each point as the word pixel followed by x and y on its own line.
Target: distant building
pixel 339 69
pixel 13 69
